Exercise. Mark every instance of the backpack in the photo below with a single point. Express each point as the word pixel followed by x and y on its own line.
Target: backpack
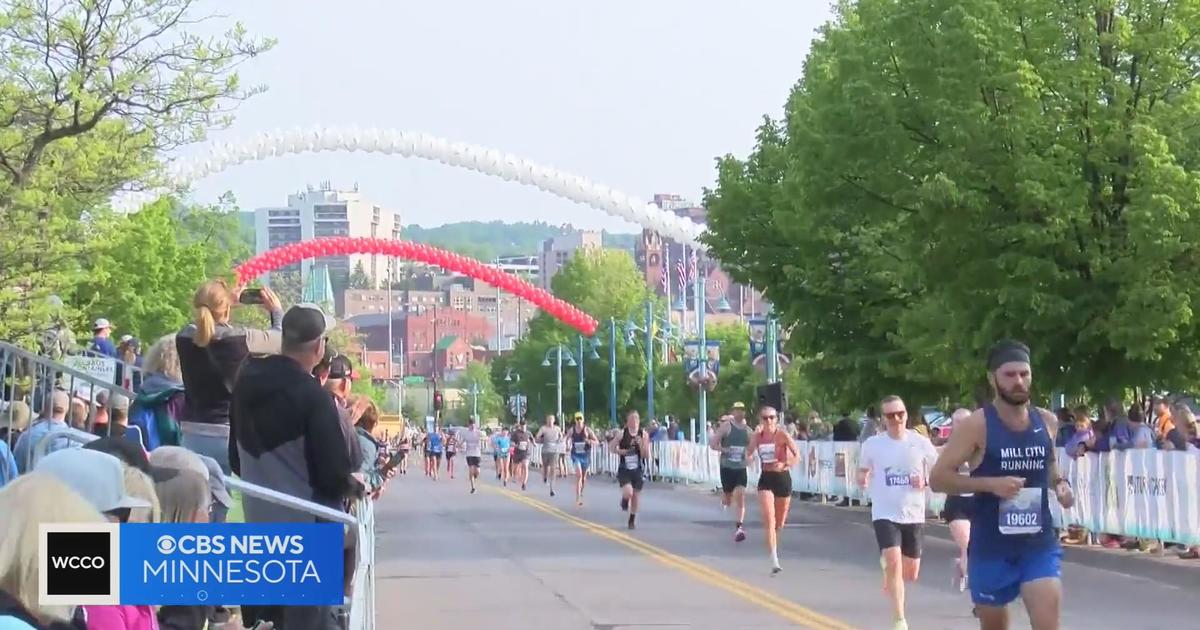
pixel 149 414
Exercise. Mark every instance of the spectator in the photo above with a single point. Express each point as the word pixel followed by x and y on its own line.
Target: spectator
pixel 918 423
pixel 1066 426
pixel 846 430
pixel 674 432
pixel 1121 428
pixel 15 421
pixel 338 383
pixel 287 436
pixel 211 351
pixel 140 485
pixel 128 452
pixel 8 465
pixel 102 339
pixel 160 401
pixel 369 446
pixel 1172 431
pixel 180 458
pixel 80 412
pixel 871 425
pixel 97 477
pixel 27 503
pixel 54 422
pixel 1084 438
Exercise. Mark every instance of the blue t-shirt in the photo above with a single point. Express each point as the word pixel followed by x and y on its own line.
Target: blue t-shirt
pixel 103 345
pixel 503 443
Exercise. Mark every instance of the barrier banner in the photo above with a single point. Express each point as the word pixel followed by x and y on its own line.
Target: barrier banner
pixel 1138 493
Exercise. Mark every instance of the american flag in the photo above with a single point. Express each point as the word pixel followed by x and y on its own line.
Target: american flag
pixel 665 278
pixel 692 271
pixel 681 275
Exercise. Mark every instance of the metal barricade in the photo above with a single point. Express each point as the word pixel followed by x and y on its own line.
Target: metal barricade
pixel 25 374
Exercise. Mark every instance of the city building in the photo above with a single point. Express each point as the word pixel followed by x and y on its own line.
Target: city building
pixel 664 263
pixel 418 332
pixel 558 250
pixel 322 212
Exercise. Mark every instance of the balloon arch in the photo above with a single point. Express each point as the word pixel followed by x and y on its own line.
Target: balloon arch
pixel 420 145
pixel 295 252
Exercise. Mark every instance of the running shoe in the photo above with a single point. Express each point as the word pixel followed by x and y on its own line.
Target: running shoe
pixel 739 535
pixel 776 570
pixel 960 576
pixel 900 625
pixel 551 491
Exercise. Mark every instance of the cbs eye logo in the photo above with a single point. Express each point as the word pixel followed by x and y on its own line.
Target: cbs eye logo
pixel 79 564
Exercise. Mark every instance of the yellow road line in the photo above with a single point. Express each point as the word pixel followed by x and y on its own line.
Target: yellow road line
pixel 787 609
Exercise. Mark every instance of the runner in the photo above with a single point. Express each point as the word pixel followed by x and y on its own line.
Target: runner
pixel 776 452
pixel 581 440
pixel 405 445
pixel 472 439
pixel 730 439
pixel 550 436
pixel 562 449
pixel 494 439
pixel 521 439
pixel 957 513
pixel 502 446
pixel 436 441
pixel 632 445
pixel 1013 548
pixel 893 467
pixel 451 450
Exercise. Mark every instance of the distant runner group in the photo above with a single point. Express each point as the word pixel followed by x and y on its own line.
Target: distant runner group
pixel 998 470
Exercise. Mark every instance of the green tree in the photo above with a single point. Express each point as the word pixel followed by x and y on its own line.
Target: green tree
pixel 359 278
pixel 1026 168
pixel 607 285
pixel 145 266
pixel 89 93
pixel 490 402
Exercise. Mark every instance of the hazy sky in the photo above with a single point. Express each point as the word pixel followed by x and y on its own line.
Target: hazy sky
pixel 640 95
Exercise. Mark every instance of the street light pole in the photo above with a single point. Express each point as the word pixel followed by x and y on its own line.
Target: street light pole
pixel 581 359
pixel 474 399
pixel 701 279
pixel 772 347
pixel 649 360
pixel 558 377
pixel 612 370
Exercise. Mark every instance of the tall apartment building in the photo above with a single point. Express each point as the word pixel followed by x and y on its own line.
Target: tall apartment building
pixel 558 250
pixel 321 212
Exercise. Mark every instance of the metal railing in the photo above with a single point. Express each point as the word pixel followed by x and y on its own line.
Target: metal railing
pixel 32 379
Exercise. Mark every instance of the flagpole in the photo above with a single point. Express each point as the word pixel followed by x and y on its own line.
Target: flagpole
pixel 666 260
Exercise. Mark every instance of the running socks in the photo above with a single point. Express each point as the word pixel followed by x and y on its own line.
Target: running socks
pixel 775 568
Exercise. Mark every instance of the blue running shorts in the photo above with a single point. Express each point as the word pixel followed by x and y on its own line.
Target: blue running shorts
pixel 997 580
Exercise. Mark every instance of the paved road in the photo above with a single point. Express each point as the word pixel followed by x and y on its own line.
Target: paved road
pixel 448 559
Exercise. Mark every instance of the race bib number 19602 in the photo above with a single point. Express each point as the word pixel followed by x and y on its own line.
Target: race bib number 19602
pixel 736 452
pixel 632 461
pixel 1022 514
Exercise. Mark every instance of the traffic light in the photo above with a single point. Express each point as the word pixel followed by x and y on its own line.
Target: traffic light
pixel 437 401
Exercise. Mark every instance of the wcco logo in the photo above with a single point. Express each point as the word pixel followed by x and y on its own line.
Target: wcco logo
pixel 79 564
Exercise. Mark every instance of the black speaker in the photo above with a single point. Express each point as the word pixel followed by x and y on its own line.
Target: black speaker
pixel 772 395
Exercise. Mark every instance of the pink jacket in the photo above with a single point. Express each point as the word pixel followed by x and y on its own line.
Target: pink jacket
pixel 121 618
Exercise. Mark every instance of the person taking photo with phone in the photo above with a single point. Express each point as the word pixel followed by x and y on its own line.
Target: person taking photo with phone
pixel 211 351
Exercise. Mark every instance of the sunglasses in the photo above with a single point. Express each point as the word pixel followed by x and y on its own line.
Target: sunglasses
pixel 895 414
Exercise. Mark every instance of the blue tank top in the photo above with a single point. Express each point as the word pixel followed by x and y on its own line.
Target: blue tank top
pixel 502 444
pixel 1007 528
pixel 435 443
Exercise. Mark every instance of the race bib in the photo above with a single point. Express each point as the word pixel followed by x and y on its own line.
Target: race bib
pixel 766 453
pixel 522 445
pixel 580 447
pixel 736 453
pixel 1022 514
pixel 633 461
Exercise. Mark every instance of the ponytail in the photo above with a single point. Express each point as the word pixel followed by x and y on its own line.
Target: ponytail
pixel 206 326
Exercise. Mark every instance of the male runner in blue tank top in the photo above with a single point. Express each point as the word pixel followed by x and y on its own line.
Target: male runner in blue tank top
pixel 1013 549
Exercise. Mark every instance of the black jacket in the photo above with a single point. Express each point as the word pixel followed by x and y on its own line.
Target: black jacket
pixel 285 434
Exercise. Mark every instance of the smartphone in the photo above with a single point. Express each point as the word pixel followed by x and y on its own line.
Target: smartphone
pixel 251 296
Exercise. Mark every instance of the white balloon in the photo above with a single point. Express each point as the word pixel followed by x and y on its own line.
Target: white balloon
pixel 485 160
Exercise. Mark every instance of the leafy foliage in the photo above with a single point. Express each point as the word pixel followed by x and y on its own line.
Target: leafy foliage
pixel 607 284
pixel 89 92
pixel 490 402
pixel 145 266
pixel 359 278
pixel 737 382
pixel 948 174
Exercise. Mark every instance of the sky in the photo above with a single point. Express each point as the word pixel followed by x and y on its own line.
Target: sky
pixel 639 95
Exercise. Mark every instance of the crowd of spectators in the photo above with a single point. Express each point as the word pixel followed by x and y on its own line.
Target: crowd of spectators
pixel 274 407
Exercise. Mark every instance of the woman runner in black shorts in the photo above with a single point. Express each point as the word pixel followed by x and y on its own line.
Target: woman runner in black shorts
pixel 776 453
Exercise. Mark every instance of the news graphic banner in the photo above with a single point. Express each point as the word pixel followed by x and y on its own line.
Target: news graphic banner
pixel 178 564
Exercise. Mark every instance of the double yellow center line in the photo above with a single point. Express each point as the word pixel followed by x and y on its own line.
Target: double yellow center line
pixel 756 595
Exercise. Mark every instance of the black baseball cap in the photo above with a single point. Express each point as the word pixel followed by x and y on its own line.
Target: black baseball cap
pixel 340 367
pixel 305 323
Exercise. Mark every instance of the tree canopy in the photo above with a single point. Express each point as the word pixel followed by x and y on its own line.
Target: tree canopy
pixel 608 285
pixel 490 402
pixel 948 174
pixel 89 93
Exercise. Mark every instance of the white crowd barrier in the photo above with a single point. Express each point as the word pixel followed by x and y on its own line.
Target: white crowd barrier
pixel 1141 493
